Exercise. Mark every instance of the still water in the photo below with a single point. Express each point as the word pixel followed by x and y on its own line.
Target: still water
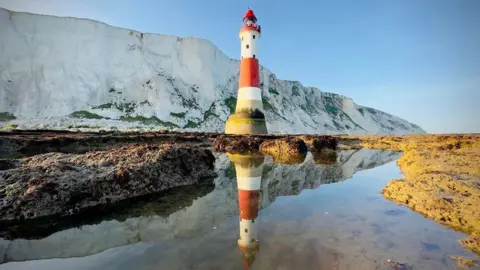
pixel 258 215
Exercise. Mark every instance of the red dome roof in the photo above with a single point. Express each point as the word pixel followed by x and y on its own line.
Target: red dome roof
pixel 249 13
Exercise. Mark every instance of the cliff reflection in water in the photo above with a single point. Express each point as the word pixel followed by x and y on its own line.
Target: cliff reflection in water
pixel 196 219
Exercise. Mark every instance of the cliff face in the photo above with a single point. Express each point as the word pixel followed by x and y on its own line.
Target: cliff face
pixel 67 72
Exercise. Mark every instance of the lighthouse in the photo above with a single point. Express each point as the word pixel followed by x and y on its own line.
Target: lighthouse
pixel 249 116
pixel 249 176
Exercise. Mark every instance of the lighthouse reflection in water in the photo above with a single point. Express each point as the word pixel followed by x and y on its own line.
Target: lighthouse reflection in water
pixel 249 176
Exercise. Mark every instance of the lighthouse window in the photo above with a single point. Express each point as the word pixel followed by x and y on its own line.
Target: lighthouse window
pixel 242 38
pixel 248 46
pixel 253 36
pixel 246 230
pixel 254 56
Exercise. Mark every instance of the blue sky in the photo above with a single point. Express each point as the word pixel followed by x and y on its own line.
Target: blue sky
pixel 419 60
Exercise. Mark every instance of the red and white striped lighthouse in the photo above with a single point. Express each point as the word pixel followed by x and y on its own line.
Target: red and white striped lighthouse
pixel 249 176
pixel 249 117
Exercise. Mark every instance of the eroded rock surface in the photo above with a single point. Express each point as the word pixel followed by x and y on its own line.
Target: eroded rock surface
pixel 64 184
pixel 237 144
pixel 441 178
pixel 319 143
pixel 285 150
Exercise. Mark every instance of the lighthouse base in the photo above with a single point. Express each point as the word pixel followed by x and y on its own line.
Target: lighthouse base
pixel 239 123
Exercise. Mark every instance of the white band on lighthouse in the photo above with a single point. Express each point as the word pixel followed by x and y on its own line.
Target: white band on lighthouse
pixel 248 232
pixel 249 43
pixel 249 183
pixel 250 93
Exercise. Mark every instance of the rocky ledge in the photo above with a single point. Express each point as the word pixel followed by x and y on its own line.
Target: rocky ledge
pixel 441 178
pixel 283 149
pixel 65 184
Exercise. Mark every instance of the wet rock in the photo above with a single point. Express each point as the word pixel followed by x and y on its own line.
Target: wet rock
pixel 237 144
pixel 8 147
pixel 441 178
pixel 465 263
pixel 319 143
pixel 472 242
pixel 64 184
pixel 394 265
pixel 285 150
pixel 346 143
pixel 24 143
pixel 6 164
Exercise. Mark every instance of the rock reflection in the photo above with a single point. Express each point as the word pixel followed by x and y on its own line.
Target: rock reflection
pixel 248 170
pixel 325 157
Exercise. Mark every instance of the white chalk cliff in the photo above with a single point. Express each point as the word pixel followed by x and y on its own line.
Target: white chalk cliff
pixel 67 72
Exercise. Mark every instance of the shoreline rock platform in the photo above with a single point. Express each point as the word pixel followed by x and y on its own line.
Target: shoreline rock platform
pixel 441 172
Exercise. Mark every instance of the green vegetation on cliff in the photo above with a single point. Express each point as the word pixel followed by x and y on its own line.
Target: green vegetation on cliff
pixel 148 121
pixel 6 116
pixel 86 115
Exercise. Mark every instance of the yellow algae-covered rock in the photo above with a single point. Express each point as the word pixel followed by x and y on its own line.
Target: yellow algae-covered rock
pixel 319 143
pixel 441 178
pixel 285 150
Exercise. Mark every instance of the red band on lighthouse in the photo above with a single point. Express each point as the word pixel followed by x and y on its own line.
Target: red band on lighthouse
pixel 248 203
pixel 249 76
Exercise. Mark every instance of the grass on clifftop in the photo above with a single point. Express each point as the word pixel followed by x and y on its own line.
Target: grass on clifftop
pixel 370 110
